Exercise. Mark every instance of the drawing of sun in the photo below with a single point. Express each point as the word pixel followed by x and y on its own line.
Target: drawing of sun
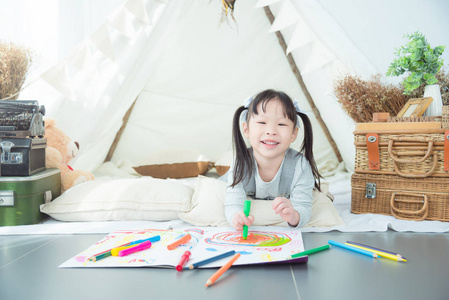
pixel 255 238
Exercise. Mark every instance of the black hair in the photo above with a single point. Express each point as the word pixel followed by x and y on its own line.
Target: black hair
pixel 244 162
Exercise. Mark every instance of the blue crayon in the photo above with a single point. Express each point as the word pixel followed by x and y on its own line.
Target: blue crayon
pixel 212 259
pixel 151 239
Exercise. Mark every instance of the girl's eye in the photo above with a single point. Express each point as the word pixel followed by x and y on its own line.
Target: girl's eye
pixel 282 124
pixel 261 122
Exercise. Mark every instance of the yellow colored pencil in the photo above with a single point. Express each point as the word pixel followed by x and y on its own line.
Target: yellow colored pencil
pixel 380 253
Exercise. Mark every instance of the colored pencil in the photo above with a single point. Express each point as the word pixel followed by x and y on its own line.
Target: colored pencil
pixel 379 253
pixel 184 239
pixel 223 269
pixel 310 251
pixel 351 248
pixel 374 248
pixel 246 209
pixel 211 259
pixel 100 256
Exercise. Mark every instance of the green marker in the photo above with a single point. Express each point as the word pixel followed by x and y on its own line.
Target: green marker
pixel 246 208
pixel 307 252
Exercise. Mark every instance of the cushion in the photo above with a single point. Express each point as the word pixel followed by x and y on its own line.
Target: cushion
pixel 223 163
pixel 121 199
pixel 174 164
pixel 208 208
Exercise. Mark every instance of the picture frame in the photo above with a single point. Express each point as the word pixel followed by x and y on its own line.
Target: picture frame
pixel 415 107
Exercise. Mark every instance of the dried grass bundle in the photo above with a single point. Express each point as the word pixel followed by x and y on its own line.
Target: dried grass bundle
pixel 361 98
pixel 15 63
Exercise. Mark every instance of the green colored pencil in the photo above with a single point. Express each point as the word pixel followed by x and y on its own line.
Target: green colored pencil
pixel 100 256
pixel 307 252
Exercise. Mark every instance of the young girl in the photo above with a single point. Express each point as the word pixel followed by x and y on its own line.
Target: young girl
pixel 270 169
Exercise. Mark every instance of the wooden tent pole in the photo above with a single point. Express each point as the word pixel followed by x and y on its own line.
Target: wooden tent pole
pixel 298 76
pixel 120 132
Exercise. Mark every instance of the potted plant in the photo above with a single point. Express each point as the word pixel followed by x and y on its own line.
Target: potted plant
pixel 422 62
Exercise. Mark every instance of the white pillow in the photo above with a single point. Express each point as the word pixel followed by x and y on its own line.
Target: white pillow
pixel 121 199
pixel 208 208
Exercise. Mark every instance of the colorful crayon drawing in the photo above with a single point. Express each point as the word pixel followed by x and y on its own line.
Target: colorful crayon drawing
pixel 255 239
pixel 264 244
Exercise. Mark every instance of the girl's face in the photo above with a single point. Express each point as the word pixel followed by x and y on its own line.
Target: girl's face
pixel 270 132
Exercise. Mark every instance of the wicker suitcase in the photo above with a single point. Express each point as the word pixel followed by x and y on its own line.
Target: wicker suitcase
pixel 407 153
pixel 404 198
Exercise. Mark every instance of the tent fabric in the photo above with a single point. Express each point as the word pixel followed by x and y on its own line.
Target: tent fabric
pixel 188 75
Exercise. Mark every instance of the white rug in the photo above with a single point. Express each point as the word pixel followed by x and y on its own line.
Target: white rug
pixel 340 187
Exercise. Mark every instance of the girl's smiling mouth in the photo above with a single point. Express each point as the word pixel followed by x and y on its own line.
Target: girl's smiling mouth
pixel 270 143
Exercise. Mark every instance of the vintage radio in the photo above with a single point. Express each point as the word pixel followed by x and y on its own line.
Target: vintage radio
pixel 22 141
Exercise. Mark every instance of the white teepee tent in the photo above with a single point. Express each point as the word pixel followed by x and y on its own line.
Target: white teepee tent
pixel 186 75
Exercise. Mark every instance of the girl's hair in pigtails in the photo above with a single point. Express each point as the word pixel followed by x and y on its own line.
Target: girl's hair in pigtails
pixel 243 158
pixel 307 148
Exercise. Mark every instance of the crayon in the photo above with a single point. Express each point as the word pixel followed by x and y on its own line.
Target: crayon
pixel 307 252
pixel 182 240
pixel 107 253
pixel 184 258
pixel 115 251
pixel 223 269
pixel 138 247
pixel 354 249
pixel 246 209
pixel 211 259
pixel 379 253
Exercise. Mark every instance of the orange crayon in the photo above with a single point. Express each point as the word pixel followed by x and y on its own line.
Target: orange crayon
pixel 182 240
pixel 223 269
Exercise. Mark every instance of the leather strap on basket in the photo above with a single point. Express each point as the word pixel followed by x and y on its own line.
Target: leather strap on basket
pixel 416 215
pixel 446 150
pixel 372 143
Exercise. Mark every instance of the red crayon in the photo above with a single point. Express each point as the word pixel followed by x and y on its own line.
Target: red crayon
pixel 184 259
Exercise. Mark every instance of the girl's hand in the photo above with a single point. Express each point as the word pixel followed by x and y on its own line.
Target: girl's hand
pixel 283 207
pixel 240 219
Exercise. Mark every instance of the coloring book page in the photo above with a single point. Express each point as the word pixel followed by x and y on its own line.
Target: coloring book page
pixel 263 245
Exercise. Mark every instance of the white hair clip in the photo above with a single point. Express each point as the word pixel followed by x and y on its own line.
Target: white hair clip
pixel 248 101
pixel 298 109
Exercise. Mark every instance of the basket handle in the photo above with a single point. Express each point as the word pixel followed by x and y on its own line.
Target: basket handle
pixel 422 175
pixel 424 210
pixel 404 139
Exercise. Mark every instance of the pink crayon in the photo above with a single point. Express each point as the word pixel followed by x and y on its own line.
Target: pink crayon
pixel 139 247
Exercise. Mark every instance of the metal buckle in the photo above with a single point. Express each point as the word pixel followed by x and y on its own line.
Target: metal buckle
pixel 8 157
pixel 372 139
pixel 370 190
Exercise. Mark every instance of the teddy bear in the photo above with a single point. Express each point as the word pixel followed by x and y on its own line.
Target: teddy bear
pixel 60 151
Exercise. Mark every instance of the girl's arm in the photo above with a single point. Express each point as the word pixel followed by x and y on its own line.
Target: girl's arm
pixel 234 199
pixel 301 193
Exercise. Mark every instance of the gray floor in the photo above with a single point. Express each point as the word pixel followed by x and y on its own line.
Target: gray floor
pixel 29 270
